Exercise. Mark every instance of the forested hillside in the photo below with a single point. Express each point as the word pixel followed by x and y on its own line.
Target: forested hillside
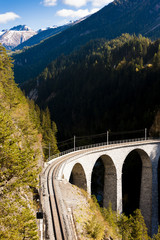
pixel 120 16
pixel 44 34
pixel 105 85
pixel 24 132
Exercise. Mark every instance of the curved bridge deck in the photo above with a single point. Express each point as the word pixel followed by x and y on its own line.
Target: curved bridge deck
pixel 80 164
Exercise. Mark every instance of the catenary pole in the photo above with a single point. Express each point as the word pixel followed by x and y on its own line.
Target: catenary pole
pixel 145 133
pixel 74 142
pixel 49 151
pixel 107 137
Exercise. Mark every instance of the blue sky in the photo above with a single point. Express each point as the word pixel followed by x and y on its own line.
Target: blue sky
pixel 45 13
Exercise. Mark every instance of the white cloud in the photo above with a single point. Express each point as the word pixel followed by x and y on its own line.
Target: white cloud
pixel 75 3
pixel 100 3
pixel 76 14
pixel 8 16
pixel 80 3
pixel 49 3
pixel 94 10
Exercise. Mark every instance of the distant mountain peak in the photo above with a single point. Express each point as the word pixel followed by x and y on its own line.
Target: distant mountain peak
pixel 15 36
pixel 21 28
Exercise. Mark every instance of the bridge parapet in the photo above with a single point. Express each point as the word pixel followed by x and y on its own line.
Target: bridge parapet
pixel 107 143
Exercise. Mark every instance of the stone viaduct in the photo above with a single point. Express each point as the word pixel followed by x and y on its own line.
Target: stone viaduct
pixel 113 156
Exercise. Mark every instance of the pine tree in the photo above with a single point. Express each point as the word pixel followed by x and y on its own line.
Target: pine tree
pixel 49 130
pixel 124 225
pixel 157 236
pixel 138 227
pixel 156 59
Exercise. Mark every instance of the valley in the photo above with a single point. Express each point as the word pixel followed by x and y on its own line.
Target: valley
pixel 103 86
pixel 88 81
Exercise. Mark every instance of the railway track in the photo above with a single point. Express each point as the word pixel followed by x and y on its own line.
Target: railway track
pixel 57 229
pixel 58 232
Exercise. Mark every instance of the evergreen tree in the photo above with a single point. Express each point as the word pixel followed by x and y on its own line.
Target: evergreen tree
pixel 157 236
pixel 139 229
pixel 49 130
pixel 124 225
pixel 156 59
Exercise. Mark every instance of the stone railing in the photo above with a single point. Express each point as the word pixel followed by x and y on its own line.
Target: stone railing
pixel 109 143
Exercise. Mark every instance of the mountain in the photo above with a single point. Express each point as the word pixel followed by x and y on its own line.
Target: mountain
pixel 44 34
pixel 104 85
pixel 120 16
pixel 21 28
pixel 15 36
pixel 2 32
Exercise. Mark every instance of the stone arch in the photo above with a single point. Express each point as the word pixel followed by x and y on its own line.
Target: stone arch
pixel 145 199
pixel 131 182
pixel 78 177
pixel 110 182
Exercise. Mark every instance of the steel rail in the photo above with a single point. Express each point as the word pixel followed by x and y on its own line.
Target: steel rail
pixel 58 225
pixel 59 233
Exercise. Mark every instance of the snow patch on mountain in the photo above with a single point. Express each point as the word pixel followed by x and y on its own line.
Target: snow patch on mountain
pixel 21 28
pixel 15 36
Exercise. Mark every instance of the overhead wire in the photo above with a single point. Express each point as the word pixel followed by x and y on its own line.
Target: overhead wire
pixel 78 138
